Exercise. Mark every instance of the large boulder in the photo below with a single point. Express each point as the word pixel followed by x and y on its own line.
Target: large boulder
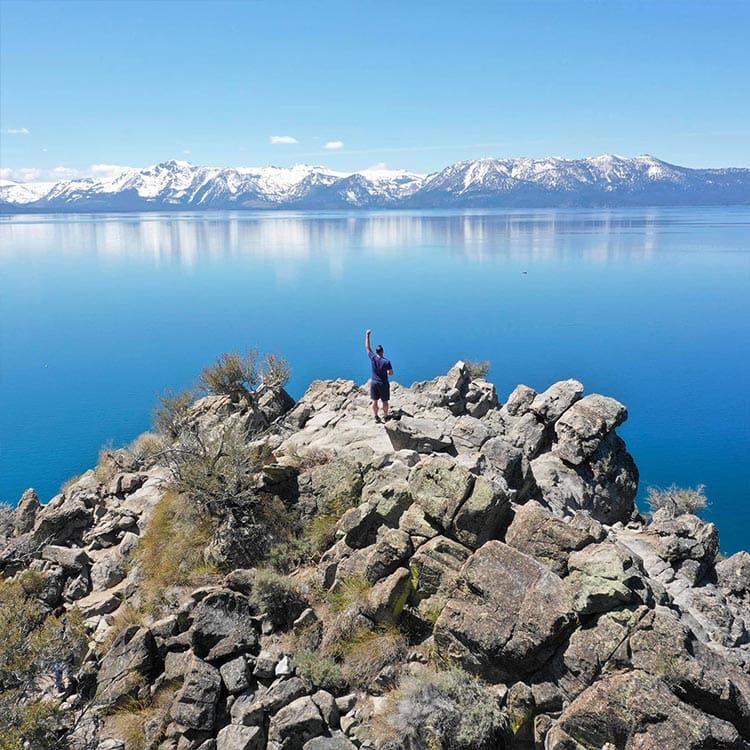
pixel 549 539
pixel 581 429
pixel 295 724
pixel 637 710
pixel 222 622
pixel 194 706
pixel 507 617
pixel 440 486
pixel 605 486
pixel 126 667
pixel 63 523
pixel 419 434
pixel 603 577
pixel 26 512
pixel 550 405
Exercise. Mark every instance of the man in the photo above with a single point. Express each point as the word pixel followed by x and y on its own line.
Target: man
pixel 380 388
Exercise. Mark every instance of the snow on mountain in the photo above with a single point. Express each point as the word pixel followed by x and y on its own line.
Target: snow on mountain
pixel 606 180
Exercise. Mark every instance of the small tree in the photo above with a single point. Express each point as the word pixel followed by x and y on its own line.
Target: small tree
pixel 677 501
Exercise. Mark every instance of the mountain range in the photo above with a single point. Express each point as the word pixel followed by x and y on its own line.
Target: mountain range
pixel 596 182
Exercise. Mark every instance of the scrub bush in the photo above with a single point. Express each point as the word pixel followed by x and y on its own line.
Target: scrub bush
pixel 449 709
pixel 234 374
pixel 478 369
pixel 677 501
pixel 276 596
pixel 33 643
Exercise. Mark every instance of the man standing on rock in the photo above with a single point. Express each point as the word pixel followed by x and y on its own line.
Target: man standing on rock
pixel 380 388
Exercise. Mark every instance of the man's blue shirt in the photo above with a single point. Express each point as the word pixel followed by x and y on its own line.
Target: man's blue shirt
pixel 380 367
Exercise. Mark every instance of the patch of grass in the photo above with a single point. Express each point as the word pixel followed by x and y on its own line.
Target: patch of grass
pixel 367 652
pixel 171 548
pixel 145 449
pixel 352 592
pixel 128 722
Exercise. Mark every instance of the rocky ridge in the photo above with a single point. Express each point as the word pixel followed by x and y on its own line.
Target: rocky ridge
pixel 499 538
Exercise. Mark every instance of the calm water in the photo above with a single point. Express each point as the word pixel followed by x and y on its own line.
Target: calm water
pixel 98 314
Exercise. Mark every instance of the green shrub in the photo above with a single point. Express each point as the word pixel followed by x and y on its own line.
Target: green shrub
pixel 449 709
pixel 478 369
pixel 172 414
pixel 234 374
pixel 276 596
pixel 676 501
pixel 32 644
pixel 7 520
pixel 322 671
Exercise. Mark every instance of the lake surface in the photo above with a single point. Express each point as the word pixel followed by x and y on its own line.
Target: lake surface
pixel 98 314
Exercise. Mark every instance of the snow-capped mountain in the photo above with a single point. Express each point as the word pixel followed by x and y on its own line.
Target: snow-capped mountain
pixel 600 181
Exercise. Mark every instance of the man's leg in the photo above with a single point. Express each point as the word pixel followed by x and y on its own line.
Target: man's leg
pixel 385 410
pixel 375 407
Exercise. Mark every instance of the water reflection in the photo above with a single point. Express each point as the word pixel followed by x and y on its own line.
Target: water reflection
pixel 185 239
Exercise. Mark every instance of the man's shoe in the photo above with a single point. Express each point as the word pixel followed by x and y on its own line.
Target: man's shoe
pixel 378 419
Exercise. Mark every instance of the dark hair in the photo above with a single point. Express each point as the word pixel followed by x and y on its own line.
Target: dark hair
pixel 379 348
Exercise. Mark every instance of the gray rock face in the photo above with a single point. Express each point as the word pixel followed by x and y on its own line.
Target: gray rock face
pixel 508 618
pixel 604 487
pixel 537 532
pixel 72 559
pixel 634 709
pixel 581 429
pixel 603 577
pixel 295 724
pixel 195 704
pixel 556 400
pixel 734 574
pixel 107 571
pixel 234 737
pixel 26 512
pixel 64 523
pixel 440 486
pixel 126 667
pixel 418 434
pixel 222 619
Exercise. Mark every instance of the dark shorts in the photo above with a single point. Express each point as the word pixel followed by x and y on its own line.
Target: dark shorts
pixel 380 391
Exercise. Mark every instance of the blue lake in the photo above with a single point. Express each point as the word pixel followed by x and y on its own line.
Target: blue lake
pixel 98 314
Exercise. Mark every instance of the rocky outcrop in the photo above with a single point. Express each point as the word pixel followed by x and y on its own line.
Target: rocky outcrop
pixel 500 538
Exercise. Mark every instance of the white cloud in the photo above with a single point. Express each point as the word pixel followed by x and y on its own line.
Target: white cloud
pixel 60 173
pixel 106 171
pixel 187 152
pixel 15 131
pixel 22 174
pixel 282 139
pixel 333 145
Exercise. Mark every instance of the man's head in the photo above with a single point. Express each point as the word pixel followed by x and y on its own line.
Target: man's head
pixel 379 350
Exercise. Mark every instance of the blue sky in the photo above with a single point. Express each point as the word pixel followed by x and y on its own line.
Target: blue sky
pixel 350 85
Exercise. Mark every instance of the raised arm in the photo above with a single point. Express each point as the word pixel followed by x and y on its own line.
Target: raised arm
pixel 367 341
